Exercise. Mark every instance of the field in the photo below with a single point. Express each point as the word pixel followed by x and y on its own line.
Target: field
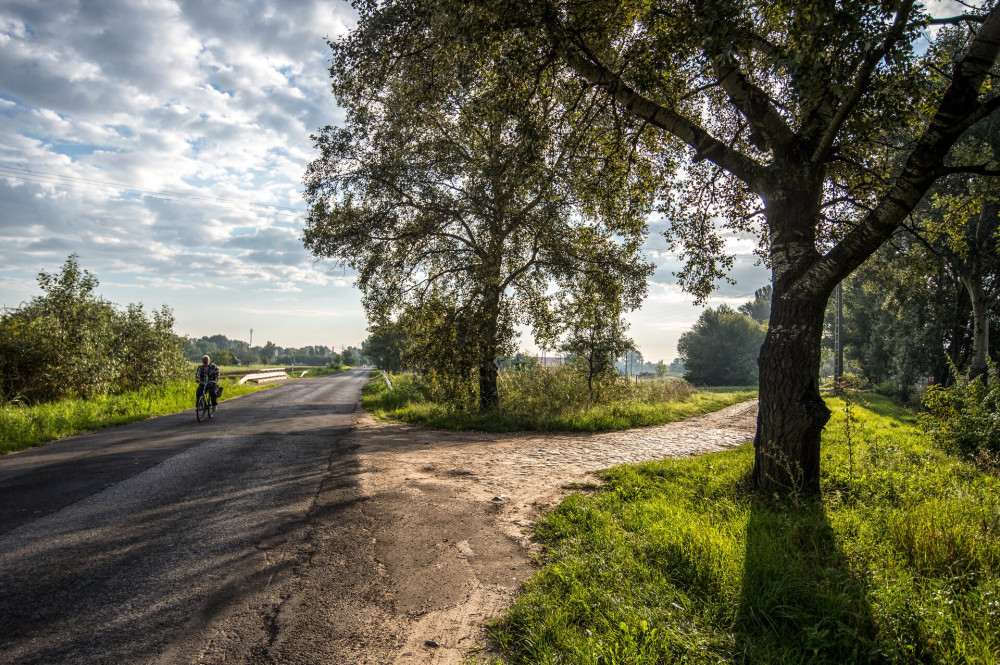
pixel 679 561
pixel 549 400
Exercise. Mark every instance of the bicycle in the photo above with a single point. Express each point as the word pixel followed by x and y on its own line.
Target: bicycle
pixel 203 405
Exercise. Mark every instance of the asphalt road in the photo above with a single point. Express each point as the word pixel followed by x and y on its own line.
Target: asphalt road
pixel 128 545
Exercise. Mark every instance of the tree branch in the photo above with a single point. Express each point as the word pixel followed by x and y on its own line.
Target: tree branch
pixel 704 144
pixel 959 109
pixel 975 169
pixel 861 83
pixel 955 20
pixel 755 104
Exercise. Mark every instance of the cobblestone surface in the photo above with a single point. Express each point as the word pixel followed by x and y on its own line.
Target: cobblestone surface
pixel 507 463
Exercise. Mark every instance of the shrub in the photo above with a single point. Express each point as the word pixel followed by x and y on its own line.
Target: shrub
pixel 69 342
pixel 886 388
pixel 964 417
pixel 533 398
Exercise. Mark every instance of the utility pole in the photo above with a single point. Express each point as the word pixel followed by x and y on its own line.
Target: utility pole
pixel 838 336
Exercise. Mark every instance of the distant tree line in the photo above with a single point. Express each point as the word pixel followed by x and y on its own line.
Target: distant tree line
pixel 225 351
pixel 71 342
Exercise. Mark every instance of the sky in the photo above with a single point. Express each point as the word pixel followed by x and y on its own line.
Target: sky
pixel 164 142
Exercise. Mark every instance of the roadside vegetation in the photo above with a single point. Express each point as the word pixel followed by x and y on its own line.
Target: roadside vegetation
pixel 71 362
pixel 25 426
pixel 70 342
pixel 682 561
pixel 326 371
pixel 558 399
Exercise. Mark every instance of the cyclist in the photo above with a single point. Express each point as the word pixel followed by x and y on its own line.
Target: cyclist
pixel 208 377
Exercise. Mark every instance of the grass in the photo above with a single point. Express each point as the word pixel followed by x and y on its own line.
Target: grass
pixel 326 371
pixel 548 401
pixel 678 561
pixel 28 426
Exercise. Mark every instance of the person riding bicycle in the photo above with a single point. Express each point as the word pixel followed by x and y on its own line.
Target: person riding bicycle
pixel 208 377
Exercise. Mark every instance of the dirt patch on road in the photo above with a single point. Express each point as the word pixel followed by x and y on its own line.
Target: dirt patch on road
pixel 454 545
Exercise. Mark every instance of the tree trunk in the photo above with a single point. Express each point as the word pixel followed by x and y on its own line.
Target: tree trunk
pixel 980 326
pixel 791 412
pixel 489 393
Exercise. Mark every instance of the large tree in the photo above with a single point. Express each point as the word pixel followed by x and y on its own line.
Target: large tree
pixel 451 199
pixel 818 128
pixel 960 223
pixel 792 109
pixel 721 348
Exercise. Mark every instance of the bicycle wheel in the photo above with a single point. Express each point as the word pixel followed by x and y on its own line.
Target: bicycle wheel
pixel 211 407
pixel 201 408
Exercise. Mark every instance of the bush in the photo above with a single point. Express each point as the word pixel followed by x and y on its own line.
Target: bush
pixel 69 342
pixel 965 417
pixel 887 388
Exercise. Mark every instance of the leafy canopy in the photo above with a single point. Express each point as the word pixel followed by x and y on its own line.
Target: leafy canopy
pixel 70 341
pixel 462 201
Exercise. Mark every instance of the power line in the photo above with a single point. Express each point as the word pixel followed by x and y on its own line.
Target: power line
pixel 93 184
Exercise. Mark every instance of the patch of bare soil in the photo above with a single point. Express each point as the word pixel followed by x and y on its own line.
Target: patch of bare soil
pixel 452 536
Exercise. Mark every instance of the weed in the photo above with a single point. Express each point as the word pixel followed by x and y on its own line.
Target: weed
pixel 549 400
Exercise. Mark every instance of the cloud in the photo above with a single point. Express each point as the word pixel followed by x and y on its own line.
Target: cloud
pixel 160 138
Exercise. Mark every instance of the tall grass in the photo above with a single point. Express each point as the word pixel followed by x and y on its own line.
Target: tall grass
pixel 541 399
pixel 27 426
pixel 326 371
pixel 679 561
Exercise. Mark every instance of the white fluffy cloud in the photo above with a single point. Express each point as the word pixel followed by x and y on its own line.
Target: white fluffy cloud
pixel 164 142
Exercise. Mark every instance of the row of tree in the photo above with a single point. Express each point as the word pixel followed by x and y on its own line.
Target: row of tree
pixel 494 150
pixel 69 341
pixel 225 351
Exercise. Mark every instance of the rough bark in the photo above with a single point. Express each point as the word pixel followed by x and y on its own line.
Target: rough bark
pixel 792 413
pixel 489 393
pixel 489 347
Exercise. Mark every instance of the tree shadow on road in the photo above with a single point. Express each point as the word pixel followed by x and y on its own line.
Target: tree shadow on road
pixel 129 575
